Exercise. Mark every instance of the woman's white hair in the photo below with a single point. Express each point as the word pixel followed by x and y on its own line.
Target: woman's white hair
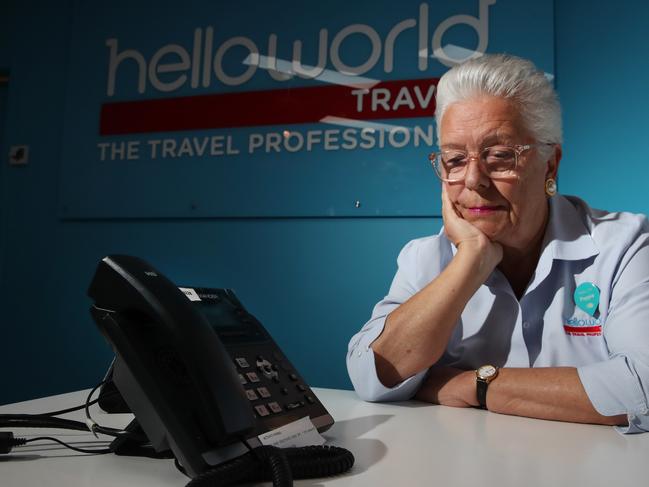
pixel 508 77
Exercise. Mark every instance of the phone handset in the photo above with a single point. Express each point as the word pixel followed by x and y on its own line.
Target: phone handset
pixel 171 368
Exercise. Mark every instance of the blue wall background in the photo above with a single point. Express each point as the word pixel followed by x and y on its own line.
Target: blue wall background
pixel 312 281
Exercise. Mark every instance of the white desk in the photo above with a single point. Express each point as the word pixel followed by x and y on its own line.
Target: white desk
pixel 404 444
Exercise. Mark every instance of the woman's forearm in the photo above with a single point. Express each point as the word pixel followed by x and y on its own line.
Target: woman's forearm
pixel 547 393
pixel 553 393
pixel 417 332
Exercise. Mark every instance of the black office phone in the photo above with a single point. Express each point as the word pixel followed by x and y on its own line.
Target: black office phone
pixel 278 393
pixel 200 373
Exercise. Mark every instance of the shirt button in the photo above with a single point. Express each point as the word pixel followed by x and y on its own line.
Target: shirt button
pixel 526 324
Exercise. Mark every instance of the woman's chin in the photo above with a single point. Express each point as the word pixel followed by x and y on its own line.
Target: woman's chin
pixel 493 231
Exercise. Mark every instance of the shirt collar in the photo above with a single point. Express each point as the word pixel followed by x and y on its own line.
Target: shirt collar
pixel 566 235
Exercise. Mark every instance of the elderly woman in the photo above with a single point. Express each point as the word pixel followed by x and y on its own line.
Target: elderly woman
pixel 528 302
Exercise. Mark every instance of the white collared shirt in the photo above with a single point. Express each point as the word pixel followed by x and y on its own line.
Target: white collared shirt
pixel 608 343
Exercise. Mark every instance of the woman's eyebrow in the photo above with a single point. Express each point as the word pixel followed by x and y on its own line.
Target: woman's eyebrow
pixel 486 142
pixel 453 146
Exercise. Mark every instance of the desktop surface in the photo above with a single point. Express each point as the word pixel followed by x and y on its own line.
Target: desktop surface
pixel 395 444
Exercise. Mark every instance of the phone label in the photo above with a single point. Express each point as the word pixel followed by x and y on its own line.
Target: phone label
pixel 190 293
pixel 293 435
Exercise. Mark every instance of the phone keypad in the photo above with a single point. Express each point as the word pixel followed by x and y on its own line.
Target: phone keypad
pixel 271 384
pixel 273 388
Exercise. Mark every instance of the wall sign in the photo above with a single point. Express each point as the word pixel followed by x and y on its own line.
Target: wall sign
pixel 270 108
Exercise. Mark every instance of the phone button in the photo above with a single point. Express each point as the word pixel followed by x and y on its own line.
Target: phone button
pixel 242 379
pixel 292 376
pixel 252 395
pixel 263 392
pixel 261 410
pixel 265 367
pixel 294 405
pixel 300 387
pixel 242 362
pixel 310 399
pixel 274 407
pixel 252 377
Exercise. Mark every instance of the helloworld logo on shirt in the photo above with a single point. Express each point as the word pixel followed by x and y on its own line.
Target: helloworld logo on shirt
pixel 583 327
pixel 586 298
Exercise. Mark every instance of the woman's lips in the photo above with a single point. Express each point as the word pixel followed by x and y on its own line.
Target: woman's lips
pixel 484 210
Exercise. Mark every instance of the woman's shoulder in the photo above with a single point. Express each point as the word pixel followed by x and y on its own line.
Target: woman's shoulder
pixel 422 259
pixel 605 220
pixel 428 249
pixel 619 227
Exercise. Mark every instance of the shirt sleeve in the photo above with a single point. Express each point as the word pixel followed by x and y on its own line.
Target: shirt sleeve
pixel 360 356
pixel 620 385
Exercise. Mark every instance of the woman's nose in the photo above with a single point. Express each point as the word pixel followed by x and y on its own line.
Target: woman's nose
pixel 475 177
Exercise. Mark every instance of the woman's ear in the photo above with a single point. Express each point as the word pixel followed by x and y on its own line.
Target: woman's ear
pixel 553 162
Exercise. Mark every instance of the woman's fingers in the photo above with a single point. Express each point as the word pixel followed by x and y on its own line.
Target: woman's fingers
pixel 456 227
pixel 459 231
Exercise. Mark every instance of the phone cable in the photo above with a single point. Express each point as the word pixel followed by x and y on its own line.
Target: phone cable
pixel 48 420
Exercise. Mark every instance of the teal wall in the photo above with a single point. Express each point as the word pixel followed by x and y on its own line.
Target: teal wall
pixel 602 77
pixel 313 282
pixel 4 71
pixel 3 114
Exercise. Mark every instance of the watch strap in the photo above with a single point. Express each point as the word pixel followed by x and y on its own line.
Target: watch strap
pixel 481 391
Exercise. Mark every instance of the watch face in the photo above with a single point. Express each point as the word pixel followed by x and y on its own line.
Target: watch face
pixel 486 371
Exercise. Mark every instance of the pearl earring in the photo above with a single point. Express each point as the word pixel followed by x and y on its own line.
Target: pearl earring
pixel 550 187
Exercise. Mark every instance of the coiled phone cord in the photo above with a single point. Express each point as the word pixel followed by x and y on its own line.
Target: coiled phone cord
pixel 279 465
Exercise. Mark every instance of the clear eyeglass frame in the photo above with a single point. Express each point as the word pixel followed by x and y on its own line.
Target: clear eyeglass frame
pixel 435 159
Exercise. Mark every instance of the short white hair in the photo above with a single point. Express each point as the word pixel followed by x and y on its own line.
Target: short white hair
pixel 508 77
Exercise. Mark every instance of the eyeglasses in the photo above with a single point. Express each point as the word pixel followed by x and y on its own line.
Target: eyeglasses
pixel 498 161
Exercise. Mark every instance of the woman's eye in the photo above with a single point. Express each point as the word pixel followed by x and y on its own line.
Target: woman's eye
pixel 496 154
pixel 454 159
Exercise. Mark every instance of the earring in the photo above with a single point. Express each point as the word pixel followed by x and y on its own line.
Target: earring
pixel 550 187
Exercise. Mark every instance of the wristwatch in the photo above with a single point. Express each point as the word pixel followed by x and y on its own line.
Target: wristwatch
pixel 484 375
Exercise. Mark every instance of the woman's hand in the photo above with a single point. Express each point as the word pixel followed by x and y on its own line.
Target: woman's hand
pixel 464 235
pixel 449 387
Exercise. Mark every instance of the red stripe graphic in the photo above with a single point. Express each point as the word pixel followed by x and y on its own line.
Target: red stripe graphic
pixel 403 99
pixel 582 329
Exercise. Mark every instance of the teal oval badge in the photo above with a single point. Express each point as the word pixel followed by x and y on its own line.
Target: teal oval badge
pixel 587 297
